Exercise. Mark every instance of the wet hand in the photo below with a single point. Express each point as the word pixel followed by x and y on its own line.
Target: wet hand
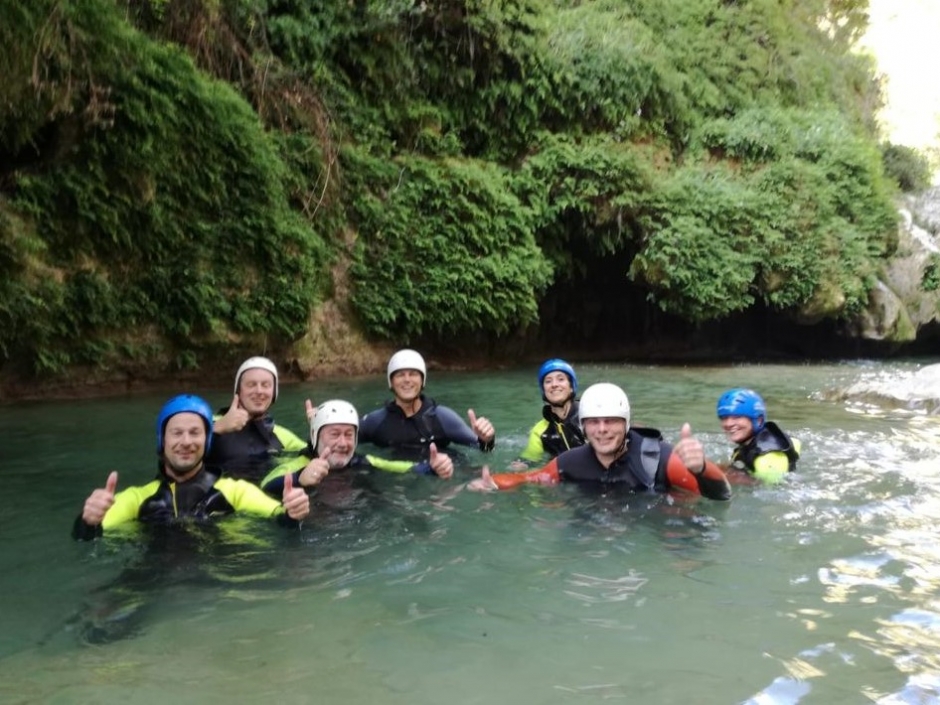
pixel 441 464
pixel 295 500
pixel 234 419
pixel 100 501
pixel 690 451
pixel 311 411
pixel 316 469
pixel 484 483
pixel 481 426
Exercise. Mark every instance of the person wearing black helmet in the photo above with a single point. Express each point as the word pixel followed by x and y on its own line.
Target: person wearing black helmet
pixel 413 425
pixel 248 443
pixel 762 449
pixel 559 429
pixel 184 487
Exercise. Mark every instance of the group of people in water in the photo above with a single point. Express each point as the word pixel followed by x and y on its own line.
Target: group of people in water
pixel 240 460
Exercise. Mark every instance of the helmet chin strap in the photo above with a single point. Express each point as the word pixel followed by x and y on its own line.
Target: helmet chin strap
pixel 623 446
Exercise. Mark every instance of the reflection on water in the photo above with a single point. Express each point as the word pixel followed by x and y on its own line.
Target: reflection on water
pixel 409 590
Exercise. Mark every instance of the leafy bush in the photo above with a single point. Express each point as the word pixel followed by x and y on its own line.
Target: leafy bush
pixel 930 281
pixel 907 167
pixel 443 248
pixel 174 216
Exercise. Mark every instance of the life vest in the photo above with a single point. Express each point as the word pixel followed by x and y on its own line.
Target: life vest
pixel 641 468
pixel 561 435
pixel 198 499
pixel 251 453
pixel 771 439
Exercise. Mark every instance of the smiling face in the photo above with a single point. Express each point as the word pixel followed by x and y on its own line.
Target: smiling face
pixel 738 429
pixel 406 385
pixel 606 436
pixel 340 438
pixel 184 445
pixel 256 391
pixel 556 387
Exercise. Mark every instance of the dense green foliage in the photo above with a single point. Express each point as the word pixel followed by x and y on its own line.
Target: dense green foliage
pixel 419 223
pixel 907 166
pixel 182 173
pixel 166 218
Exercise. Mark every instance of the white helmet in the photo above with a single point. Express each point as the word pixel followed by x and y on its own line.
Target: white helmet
pixel 407 360
pixel 257 363
pixel 333 411
pixel 604 400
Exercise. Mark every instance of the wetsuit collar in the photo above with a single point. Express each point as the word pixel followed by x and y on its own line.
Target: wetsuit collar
pixel 409 409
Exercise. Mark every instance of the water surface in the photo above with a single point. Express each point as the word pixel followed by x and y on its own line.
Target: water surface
pixel 411 590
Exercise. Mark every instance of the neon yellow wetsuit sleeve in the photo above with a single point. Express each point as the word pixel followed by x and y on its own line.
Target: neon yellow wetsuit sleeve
pixel 387 465
pixel 291 441
pixel 534 450
pixel 773 467
pixel 293 458
pixel 246 497
pixel 127 504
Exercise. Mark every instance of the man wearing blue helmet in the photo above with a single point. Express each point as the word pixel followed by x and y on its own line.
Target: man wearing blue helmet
pixel 184 488
pixel 762 449
pixel 559 429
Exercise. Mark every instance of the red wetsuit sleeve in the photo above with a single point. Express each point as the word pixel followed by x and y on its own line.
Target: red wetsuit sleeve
pixel 711 483
pixel 547 475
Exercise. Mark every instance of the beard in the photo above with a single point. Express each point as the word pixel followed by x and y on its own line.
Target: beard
pixel 338 461
pixel 178 470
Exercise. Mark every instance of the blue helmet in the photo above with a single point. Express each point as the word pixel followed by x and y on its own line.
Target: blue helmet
pixel 743 402
pixel 558 365
pixel 179 405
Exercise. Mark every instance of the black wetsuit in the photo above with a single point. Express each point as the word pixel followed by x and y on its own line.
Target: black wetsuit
pixel 410 436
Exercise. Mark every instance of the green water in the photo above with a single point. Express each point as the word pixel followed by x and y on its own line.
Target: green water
pixel 411 590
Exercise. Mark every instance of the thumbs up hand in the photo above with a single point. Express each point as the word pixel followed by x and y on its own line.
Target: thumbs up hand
pixel 484 483
pixel 481 426
pixel 690 451
pixel 100 501
pixel 316 469
pixel 311 411
pixel 295 500
pixel 441 464
pixel 234 419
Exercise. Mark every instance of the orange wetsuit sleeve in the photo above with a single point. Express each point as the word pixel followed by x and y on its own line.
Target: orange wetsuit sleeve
pixel 711 483
pixel 547 475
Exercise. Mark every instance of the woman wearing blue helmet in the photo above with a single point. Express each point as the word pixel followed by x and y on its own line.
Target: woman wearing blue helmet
pixel 559 429
pixel 762 449
pixel 184 488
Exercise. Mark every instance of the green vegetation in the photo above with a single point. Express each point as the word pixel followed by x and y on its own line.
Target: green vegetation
pixel 909 168
pixel 180 177
pixel 931 277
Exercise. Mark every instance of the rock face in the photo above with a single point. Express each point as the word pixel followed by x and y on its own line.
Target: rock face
pixel 926 210
pixel 917 391
pixel 907 296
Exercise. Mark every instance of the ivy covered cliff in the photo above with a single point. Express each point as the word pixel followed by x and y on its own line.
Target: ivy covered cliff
pixel 185 182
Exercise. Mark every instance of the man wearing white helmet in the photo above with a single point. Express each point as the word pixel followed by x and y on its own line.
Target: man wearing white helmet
pixel 249 445
pixel 334 430
pixel 412 423
pixel 620 457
